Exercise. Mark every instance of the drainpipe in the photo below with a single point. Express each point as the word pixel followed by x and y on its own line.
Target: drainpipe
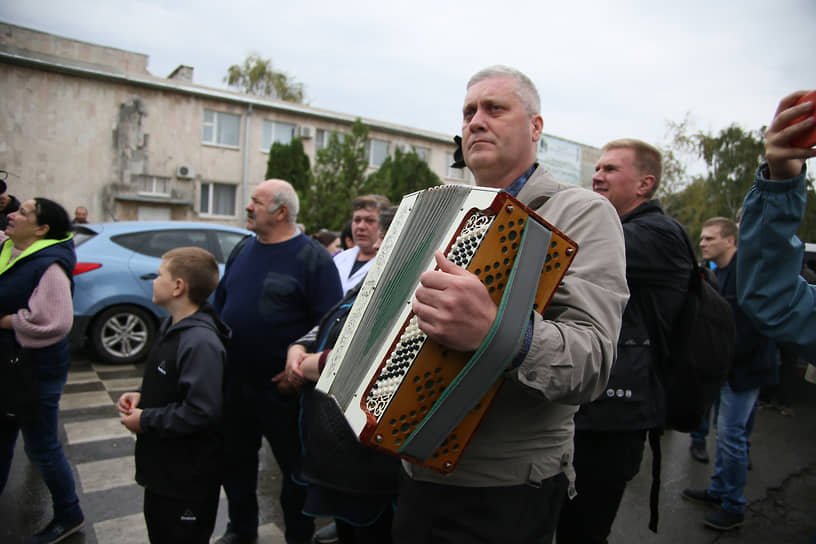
pixel 244 194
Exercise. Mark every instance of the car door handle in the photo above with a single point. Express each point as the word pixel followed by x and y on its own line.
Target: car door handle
pixel 150 276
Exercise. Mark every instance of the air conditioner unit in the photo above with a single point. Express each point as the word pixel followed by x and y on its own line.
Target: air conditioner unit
pixel 185 172
pixel 305 131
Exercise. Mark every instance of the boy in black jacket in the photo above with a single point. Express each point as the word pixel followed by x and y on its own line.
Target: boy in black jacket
pixel 178 412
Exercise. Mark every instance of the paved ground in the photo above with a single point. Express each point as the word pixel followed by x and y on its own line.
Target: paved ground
pixel 781 487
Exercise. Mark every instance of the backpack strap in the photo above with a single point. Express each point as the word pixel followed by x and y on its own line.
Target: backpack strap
pixel 654 493
pixel 239 247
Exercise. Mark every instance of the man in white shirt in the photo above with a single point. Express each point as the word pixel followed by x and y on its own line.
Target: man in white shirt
pixel 353 263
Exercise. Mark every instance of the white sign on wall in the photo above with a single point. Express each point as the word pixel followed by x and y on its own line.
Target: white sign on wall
pixel 561 158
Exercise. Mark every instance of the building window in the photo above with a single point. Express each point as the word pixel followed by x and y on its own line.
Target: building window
pixel 151 185
pixel 221 128
pixel 274 131
pixel 217 199
pixel 377 151
pixel 322 138
pixel 423 153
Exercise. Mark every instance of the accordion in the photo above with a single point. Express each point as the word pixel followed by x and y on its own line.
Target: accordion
pixel 402 392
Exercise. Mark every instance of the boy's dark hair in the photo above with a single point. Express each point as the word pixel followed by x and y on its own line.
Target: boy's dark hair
pixel 52 214
pixel 198 269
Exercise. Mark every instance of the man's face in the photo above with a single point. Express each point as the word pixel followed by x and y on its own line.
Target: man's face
pixel 617 178
pixel 4 201
pixel 259 218
pixel 364 229
pixel 713 245
pixel 497 134
pixel 81 215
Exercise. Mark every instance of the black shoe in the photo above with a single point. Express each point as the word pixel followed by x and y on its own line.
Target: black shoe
pixel 326 534
pixel 698 452
pixel 701 496
pixel 56 531
pixel 724 521
pixel 234 538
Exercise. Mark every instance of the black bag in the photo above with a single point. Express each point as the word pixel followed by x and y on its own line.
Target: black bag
pixel 701 352
pixel 19 387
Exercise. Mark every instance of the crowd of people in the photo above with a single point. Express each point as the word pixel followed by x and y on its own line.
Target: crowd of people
pixel 582 393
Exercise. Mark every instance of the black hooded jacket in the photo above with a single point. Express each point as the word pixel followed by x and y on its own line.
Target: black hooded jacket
pixel 658 266
pixel 178 453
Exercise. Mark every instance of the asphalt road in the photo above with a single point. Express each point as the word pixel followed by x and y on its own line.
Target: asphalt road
pixel 781 488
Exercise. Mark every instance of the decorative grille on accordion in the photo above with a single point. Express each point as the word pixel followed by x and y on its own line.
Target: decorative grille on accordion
pixel 386 375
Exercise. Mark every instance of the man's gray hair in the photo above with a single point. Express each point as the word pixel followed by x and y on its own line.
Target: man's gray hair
pixel 287 196
pixel 525 88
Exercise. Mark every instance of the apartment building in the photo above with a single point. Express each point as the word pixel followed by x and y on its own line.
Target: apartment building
pixel 88 125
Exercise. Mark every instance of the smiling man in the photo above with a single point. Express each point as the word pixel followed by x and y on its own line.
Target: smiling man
pixel 610 433
pixel 510 483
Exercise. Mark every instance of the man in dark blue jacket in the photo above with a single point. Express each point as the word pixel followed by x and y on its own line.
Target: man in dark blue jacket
pixel 275 288
pixel 755 365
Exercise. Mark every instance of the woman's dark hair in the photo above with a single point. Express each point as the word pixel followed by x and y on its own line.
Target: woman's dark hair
pixel 345 234
pixel 52 214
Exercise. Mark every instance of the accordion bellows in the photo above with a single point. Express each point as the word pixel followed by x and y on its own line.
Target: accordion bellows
pixel 404 393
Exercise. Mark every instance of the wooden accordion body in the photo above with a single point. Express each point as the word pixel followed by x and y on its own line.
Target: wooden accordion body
pixel 400 391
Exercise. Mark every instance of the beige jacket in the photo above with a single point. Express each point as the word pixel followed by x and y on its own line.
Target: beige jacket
pixel 527 433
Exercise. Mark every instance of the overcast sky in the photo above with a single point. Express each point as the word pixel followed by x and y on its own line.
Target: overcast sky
pixel 604 69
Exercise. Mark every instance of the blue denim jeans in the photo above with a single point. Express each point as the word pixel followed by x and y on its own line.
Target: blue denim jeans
pixel 731 461
pixel 42 445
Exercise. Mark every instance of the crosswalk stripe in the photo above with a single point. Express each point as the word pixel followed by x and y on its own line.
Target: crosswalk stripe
pixel 122 384
pixel 97 429
pixel 83 376
pixel 89 399
pixel 107 474
pixel 130 529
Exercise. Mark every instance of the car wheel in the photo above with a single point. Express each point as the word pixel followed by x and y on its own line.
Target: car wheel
pixel 122 334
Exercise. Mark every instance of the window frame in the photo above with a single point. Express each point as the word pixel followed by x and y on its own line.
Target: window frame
pixel 273 133
pixel 211 199
pixel 213 126
pixel 369 145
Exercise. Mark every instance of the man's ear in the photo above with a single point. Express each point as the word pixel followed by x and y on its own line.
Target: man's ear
pixel 645 185
pixel 538 125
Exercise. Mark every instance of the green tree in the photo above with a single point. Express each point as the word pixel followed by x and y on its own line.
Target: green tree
pixel 291 163
pixel 401 174
pixel 257 76
pixel 730 160
pixel 339 176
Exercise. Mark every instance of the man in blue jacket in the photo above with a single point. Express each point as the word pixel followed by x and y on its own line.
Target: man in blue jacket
pixel 770 290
